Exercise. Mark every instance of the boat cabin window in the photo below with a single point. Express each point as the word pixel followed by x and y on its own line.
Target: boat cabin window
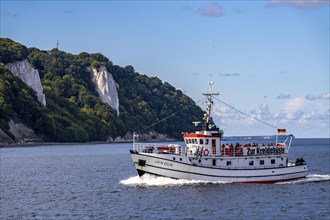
pixel 251 162
pixel 201 141
pixel 228 163
pixel 272 161
pixel 214 149
pixel 187 141
pixel 214 162
pixel 262 162
pixel 206 141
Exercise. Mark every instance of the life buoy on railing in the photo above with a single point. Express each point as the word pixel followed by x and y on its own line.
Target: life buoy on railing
pixel 206 152
pixel 280 144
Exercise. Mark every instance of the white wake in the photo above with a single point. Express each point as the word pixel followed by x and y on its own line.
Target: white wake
pixel 151 180
pixel 309 178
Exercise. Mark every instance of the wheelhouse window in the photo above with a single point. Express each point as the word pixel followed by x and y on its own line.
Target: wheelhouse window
pixel 201 141
pixel 262 162
pixel 207 141
pixel 272 161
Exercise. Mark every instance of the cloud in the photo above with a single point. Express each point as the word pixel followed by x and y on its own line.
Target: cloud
pixel 324 96
pixel 68 11
pixel 297 115
pixel 213 10
pixel 283 96
pixel 229 74
pixel 300 4
pixel 5 13
pixel 240 10
pixel 293 105
pixel 262 112
pixel 186 8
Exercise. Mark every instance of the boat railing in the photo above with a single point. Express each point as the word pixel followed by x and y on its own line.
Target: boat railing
pixel 174 149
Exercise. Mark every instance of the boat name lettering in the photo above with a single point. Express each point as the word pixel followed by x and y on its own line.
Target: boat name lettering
pixel 265 151
pixel 164 163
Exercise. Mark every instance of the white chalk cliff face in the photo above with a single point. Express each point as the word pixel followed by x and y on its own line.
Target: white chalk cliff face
pixel 29 75
pixel 106 86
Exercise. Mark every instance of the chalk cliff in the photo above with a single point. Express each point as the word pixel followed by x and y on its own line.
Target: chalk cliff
pixel 29 75
pixel 106 86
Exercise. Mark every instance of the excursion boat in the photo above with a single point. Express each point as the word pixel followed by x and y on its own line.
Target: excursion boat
pixel 207 157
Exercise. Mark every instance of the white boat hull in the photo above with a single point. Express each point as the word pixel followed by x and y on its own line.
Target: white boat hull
pixel 179 167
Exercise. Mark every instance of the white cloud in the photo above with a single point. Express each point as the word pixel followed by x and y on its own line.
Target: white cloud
pixel 301 4
pixel 262 113
pixel 293 105
pixel 325 96
pixel 319 97
pixel 298 115
pixel 213 10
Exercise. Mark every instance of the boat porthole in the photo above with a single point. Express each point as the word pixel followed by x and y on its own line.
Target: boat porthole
pixel 173 158
pixel 199 161
pixel 180 159
pixel 273 171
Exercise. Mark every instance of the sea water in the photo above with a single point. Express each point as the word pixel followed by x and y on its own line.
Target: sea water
pixel 98 181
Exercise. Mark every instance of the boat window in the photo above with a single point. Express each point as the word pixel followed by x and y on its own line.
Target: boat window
pixel 272 161
pixel 228 163
pixel 262 162
pixel 187 141
pixel 214 162
pixel 251 162
pixel 214 149
pixel 206 141
pixel 201 141
pixel 196 141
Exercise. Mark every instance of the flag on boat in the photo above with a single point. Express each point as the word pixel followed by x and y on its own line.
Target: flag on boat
pixel 281 131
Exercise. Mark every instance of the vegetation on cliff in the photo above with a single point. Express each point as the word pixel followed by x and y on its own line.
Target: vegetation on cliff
pixel 74 111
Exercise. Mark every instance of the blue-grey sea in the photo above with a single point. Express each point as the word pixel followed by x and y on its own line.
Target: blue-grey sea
pixel 98 181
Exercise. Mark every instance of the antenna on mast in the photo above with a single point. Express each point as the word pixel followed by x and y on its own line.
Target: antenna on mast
pixel 57 43
pixel 209 101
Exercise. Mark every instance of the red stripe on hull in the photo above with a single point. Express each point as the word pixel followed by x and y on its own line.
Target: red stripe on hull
pixel 271 181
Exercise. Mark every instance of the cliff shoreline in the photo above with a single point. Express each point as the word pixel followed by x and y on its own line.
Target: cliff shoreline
pixel 36 144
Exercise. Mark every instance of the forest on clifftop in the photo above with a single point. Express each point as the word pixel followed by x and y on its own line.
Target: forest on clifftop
pixel 74 111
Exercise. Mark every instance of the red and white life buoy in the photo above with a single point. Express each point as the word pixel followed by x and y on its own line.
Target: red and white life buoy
pixel 280 144
pixel 206 152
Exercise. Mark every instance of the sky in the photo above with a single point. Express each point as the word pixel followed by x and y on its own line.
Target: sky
pixel 267 58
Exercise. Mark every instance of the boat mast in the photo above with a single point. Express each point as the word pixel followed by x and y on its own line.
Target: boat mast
pixel 209 102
